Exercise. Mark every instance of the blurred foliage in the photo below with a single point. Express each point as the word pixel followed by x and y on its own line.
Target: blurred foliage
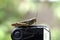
pixel 55 34
pixel 56 9
pixel 9 14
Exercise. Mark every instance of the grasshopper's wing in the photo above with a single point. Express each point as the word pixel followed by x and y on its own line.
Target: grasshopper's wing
pixel 30 21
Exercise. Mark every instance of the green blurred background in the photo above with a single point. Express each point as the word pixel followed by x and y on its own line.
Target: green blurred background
pixel 12 11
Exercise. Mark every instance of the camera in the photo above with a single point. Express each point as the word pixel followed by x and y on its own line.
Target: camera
pixel 33 32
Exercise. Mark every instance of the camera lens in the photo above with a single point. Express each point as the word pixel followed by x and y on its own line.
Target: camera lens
pixel 17 34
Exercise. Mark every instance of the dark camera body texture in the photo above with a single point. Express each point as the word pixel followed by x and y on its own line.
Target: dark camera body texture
pixel 29 33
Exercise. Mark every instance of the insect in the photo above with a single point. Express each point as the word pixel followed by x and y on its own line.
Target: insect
pixel 25 23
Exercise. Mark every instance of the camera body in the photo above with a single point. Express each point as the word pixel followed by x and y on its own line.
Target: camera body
pixel 33 32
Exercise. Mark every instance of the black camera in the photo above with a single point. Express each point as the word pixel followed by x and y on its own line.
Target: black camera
pixel 33 32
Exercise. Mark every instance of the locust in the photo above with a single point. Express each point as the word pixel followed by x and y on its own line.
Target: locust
pixel 25 23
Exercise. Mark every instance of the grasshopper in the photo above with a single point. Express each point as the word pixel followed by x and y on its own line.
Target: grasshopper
pixel 25 23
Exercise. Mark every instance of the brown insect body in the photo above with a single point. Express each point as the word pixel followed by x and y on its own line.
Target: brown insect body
pixel 25 23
